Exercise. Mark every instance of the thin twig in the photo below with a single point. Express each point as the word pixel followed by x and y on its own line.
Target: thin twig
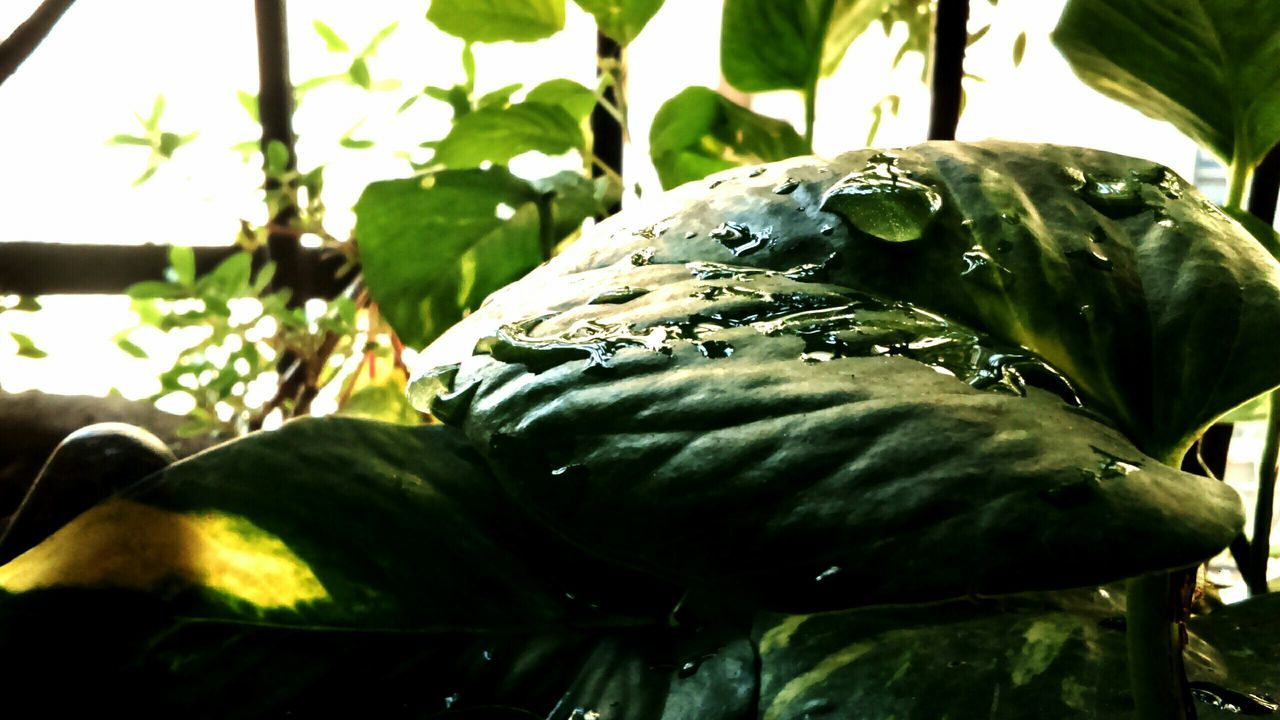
pixel 27 37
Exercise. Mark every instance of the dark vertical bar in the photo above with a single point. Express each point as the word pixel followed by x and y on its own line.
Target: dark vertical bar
pixel 27 37
pixel 1265 187
pixel 606 131
pixel 946 67
pixel 275 110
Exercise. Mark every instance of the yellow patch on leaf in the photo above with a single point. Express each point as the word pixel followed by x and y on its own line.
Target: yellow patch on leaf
pixel 130 545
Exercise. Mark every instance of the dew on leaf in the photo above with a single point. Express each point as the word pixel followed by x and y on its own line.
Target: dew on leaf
pixel 786 187
pixel 884 202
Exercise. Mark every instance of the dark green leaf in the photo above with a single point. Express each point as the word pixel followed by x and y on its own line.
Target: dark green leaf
pixel 621 20
pixel 1026 658
pixel 497 20
pixel 27 347
pixel 1210 67
pixel 575 98
pixel 579 398
pixel 26 303
pixel 182 260
pixel 359 73
pixel 437 593
pixel 331 39
pixel 788 44
pixel 1265 234
pixel 1114 270
pixel 415 235
pixel 700 132
pixel 499 134
pixel 977 35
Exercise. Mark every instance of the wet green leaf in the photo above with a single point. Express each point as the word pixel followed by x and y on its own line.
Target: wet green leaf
pixel 621 20
pixel 1209 67
pixel 498 20
pixel 789 44
pixel 1100 264
pixel 699 132
pixel 922 425
pixel 498 134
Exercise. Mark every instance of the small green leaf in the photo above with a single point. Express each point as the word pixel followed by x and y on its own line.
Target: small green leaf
pixel 130 348
pixel 977 35
pixel 788 44
pixel 26 303
pixel 182 260
pixel 699 132
pixel 26 347
pixel 378 37
pixel 354 143
pixel 277 158
pixel 331 39
pixel 497 20
pixel 129 140
pixel 1209 67
pixel 621 20
pixel 230 279
pixel 146 175
pixel 457 97
pixel 575 98
pixel 157 109
pixel 1019 48
pixel 155 289
pixel 497 98
pixel 499 134
pixel 249 102
pixel 408 103
pixel 359 73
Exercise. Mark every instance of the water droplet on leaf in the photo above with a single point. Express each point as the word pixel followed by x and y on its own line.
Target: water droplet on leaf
pixel 885 203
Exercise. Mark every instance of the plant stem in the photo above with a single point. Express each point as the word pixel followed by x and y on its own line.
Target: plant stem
pixel 1156 674
pixel 810 111
pixel 946 67
pixel 1237 181
pixel 1260 548
pixel 23 41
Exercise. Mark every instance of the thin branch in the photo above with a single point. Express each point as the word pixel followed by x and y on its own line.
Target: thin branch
pixel 946 67
pixel 27 37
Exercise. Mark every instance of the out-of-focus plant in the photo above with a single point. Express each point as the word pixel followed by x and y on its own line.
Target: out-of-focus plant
pixel 162 143
pixel 25 346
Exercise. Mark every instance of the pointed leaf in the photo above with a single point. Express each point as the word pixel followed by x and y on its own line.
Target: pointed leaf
pixel 497 134
pixel 699 132
pixel 789 44
pixel 1209 67
pixel 621 20
pixel 498 20
pixel 575 98
pixel 331 39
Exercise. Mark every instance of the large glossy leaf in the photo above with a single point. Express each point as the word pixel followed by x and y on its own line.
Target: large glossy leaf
pixel 699 132
pixel 788 44
pixel 782 440
pixel 497 20
pixel 1026 658
pixel 497 134
pixel 339 565
pixel 1114 270
pixel 1210 67
pixel 621 20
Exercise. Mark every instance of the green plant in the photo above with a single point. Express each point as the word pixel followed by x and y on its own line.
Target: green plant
pixel 877 436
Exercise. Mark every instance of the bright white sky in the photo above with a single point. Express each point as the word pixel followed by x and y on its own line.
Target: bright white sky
pixel 106 61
